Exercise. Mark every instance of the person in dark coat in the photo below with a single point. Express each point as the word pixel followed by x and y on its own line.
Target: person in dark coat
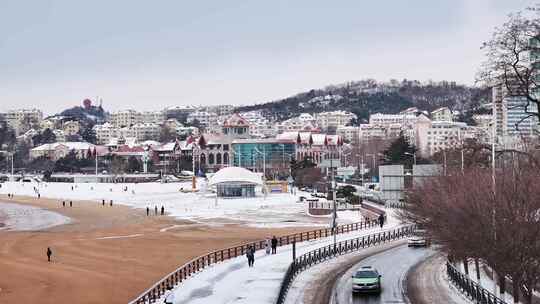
pixel 147 211
pixel 103 202
pixel 63 203
pixel 250 254
pixel 381 220
pixel 49 254
pixel 111 202
pixel 71 203
pixel 162 210
pixel 274 244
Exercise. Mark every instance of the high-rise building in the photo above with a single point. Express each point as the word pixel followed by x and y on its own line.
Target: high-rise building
pixel 24 119
pixel 513 115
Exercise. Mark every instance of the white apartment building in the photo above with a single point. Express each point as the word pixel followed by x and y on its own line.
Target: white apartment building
pixel 333 119
pixel 303 122
pixel 349 134
pixel 15 118
pixel 433 136
pixel 125 118
pixel 71 127
pixel 483 120
pixel 369 131
pixel 204 118
pixel 141 131
pixel 442 114
pixel 47 124
pixel 152 117
pixel 389 119
pixel 105 132
pixel 259 126
pixel 59 135
pixel 220 110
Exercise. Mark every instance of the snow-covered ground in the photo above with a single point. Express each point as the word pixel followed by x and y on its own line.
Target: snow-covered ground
pixel 275 210
pixel 234 282
pixel 17 217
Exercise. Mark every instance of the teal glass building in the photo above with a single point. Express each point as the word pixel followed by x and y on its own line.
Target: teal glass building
pixel 260 154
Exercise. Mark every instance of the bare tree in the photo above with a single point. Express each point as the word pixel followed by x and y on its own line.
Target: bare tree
pixel 513 59
pixel 501 228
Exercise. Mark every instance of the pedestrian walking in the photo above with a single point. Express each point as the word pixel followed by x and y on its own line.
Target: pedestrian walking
pixel 274 244
pixel 103 202
pixel 155 210
pixel 49 254
pixel 111 203
pixel 162 210
pixel 147 211
pixel 71 203
pixel 169 296
pixel 38 196
pixel 267 246
pixel 381 220
pixel 71 188
pixel 63 203
pixel 250 254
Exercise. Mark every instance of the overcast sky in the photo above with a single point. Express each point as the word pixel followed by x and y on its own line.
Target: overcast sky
pixel 151 54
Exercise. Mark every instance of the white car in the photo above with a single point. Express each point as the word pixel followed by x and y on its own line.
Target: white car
pixel 418 239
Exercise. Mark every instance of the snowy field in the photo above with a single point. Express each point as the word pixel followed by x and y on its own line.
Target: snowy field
pixel 15 217
pixel 275 210
pixel 234 282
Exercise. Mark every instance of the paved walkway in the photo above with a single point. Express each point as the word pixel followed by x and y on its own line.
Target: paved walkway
pixel 234 282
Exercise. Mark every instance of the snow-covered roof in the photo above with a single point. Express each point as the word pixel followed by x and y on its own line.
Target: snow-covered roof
pixel 69 145
pixel 235 121
pixel 235 175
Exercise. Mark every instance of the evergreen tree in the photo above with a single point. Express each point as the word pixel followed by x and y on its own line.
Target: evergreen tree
pixel 399 152
pixel 88 134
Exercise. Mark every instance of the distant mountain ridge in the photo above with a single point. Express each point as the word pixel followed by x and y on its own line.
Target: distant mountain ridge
pixel 368 96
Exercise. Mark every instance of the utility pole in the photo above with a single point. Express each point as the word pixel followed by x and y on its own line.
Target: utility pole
pixel 12 170
pixel 334 213
pixel 362 172
pixel 494 185
pixel 462 161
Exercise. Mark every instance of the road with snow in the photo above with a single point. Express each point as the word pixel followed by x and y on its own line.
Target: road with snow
pixel 234 282
pixel 393 265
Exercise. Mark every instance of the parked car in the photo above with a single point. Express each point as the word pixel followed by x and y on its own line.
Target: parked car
pixel 366 279
pixel 418 239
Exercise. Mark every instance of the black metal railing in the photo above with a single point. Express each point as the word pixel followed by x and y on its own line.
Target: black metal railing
pixel 333 250
pixel 470 288
pixel 174 278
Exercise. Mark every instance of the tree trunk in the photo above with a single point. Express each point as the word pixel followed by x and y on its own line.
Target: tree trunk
pixel 502 286
pixel 515 289
pixel 477 266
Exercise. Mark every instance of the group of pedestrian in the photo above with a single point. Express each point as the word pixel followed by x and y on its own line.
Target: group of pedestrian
pixel 155 210
pixel 103 202
pixel 10 195
pixel 64 203
pixel 270 247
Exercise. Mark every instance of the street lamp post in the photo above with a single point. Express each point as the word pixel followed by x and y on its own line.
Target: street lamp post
pixel 374 164
pixel 413 155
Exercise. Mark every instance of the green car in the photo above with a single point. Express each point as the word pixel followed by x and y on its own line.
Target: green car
pixel 366 279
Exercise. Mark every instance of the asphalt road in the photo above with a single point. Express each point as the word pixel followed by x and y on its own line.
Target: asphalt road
pixel 393 265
